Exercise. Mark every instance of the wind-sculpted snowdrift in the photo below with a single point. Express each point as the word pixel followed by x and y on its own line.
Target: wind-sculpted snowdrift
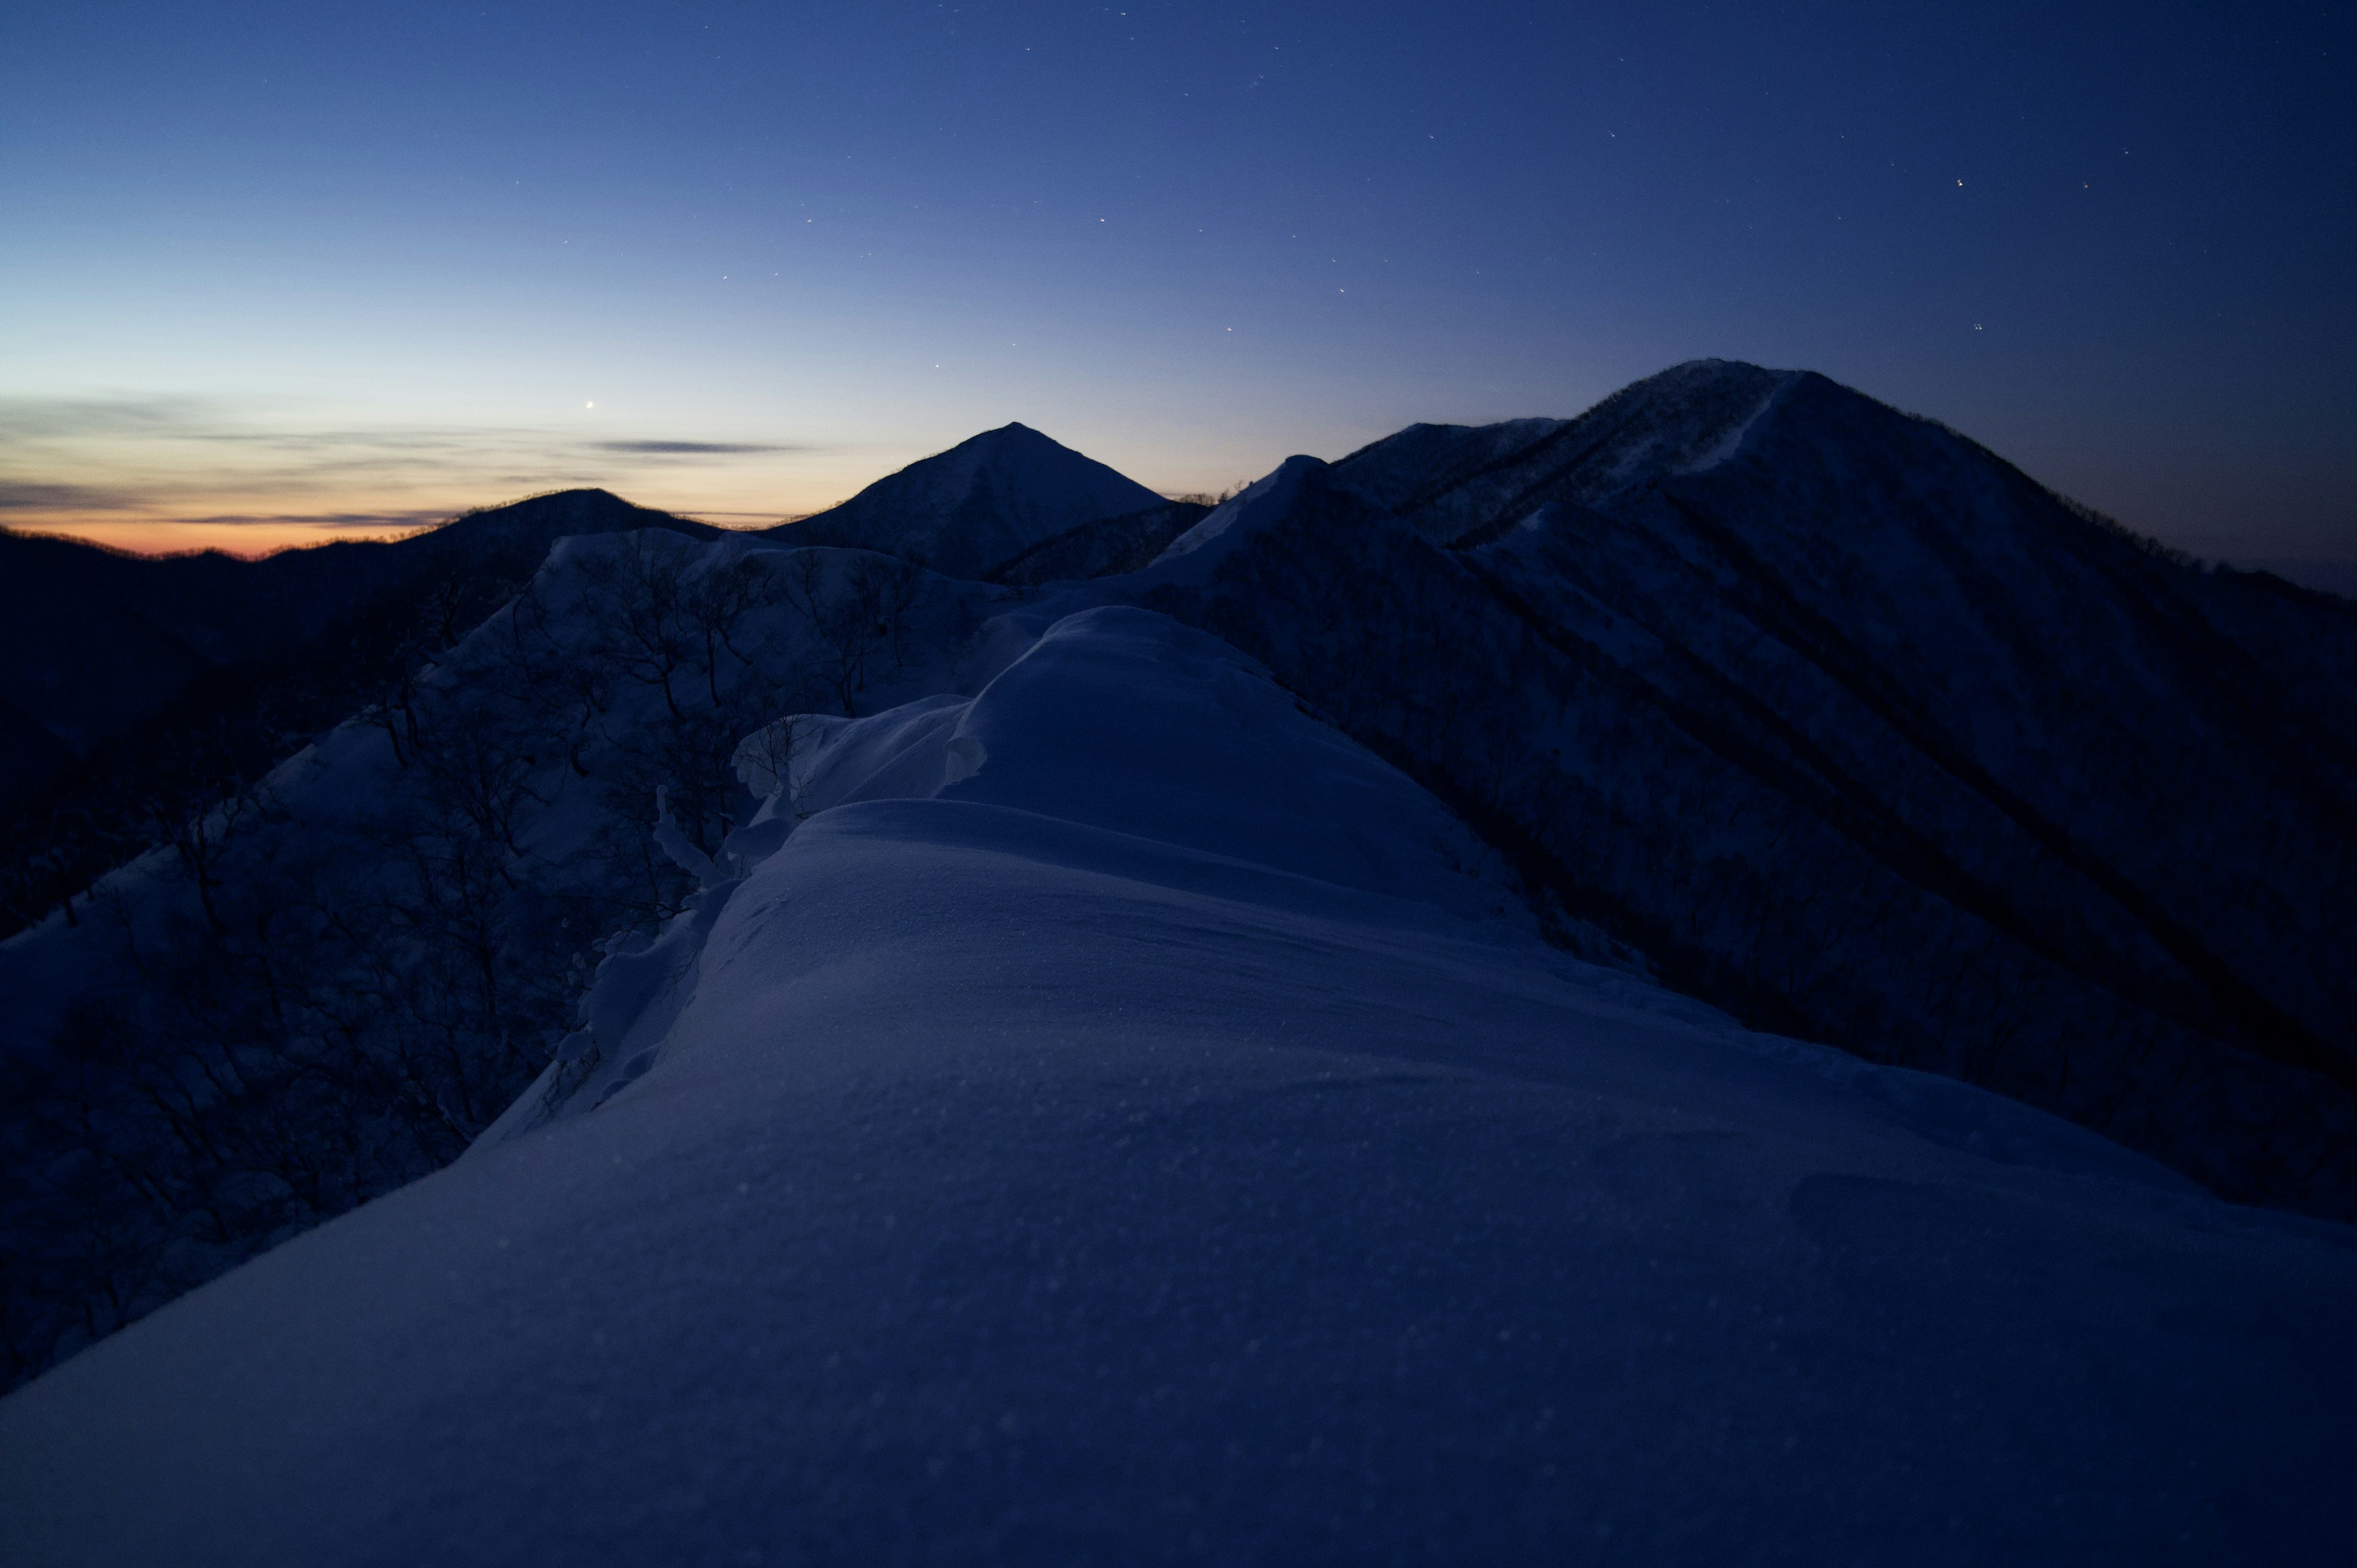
pixel 1115 1118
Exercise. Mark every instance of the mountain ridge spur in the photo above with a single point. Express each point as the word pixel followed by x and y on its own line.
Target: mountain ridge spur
pixel 1807 709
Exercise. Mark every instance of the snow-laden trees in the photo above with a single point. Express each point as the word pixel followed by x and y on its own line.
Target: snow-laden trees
pixel 1774 844
pixel 335 978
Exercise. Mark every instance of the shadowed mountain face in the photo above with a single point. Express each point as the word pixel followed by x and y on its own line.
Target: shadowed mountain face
pixel 970 510
pixel 134 687
pixel 93 641
pixel 1107 547
pixel 1857 731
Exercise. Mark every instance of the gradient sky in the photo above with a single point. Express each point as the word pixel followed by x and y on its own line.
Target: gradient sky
pixel 269 273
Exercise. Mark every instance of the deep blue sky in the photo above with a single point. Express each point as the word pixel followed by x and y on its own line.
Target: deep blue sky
pixel 340 264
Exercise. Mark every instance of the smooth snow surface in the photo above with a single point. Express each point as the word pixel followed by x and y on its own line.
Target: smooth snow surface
pixel 1125 1121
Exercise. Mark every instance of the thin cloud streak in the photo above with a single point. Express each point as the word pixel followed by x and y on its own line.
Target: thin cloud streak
pixel 34 495
pixel 689 448
pixel 428 518
pixel 103 466
pixel 31 419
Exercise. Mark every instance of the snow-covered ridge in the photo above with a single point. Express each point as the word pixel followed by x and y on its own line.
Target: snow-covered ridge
pixel 1266 498
pixel 1104 722
pixel 969 976
pixel 1025 1155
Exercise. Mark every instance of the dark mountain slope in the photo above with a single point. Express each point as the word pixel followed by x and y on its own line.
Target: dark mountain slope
pixel 1103 548
pixel 1928 618
pixel 1860 732
pixel 82 653
pixel 970 510
pixel 156 683
pixel 324 985
pixel 92 640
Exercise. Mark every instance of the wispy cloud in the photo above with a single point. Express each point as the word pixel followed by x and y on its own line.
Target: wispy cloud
pixel 173 463
pixel 34 495
pixel 688 449
pixel 410 440
pixel 40 419
pixel 329 520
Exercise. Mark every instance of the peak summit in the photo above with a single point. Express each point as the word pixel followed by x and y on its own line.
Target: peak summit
pixel 1447 479
pixel 981 503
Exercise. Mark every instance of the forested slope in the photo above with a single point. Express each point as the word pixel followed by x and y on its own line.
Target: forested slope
pixel 331 978
pixel 1856 731
pixel 140 689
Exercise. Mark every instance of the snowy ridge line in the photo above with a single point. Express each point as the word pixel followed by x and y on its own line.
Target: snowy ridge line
pixel 1613 671
pixel 1021 1160
pixel 922 749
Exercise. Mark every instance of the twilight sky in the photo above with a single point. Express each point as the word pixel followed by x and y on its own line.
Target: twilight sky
pixel 274 272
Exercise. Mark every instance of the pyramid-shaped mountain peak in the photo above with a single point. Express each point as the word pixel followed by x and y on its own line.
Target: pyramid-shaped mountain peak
pixel 982 503
pixel 1013 433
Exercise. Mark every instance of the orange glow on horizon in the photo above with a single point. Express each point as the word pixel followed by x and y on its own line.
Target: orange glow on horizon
pixel 250 540
pixel 253 540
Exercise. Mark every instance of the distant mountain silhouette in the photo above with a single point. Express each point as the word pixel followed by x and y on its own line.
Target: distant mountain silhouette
pixel 2326 576
pixel 975 508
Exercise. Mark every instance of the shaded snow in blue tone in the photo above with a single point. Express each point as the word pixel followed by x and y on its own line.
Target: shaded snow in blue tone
pixel 1124 1121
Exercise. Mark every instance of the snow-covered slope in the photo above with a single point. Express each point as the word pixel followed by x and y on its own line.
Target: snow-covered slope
pixel 1124 1122
pixel 329 984
pixel 95 641
pixel 1107 547
pixel 1856 731
pixel 135 690
pixel 979 505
